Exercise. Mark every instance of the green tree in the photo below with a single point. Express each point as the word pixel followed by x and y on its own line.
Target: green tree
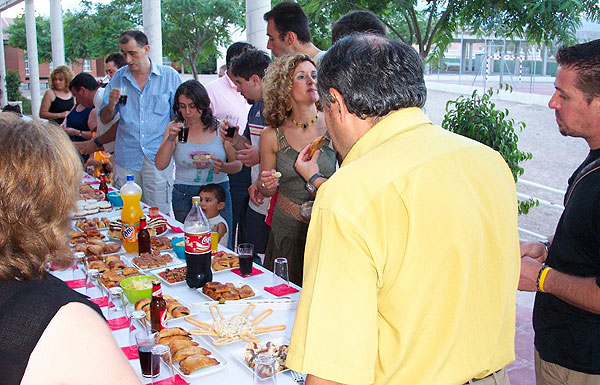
pixel 193 29
pixel 430 24
pixel 17 37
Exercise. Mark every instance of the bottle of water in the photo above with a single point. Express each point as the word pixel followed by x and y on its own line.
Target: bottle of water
pixel 197 246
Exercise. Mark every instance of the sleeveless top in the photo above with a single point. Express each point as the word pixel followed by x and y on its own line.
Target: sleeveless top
pixel 193 165
pixel 61 105
pixel 79 121
pixel 27 309
pixel 293 186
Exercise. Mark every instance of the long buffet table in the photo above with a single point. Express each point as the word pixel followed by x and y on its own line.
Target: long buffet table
pixel 233 369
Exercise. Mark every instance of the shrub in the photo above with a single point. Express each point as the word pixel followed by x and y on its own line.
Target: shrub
pixel 477 117
pixel 13 86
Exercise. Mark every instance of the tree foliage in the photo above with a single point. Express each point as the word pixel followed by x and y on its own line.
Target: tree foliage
pixel 194 29
pixel 18 39
pixel 477 117
pixel 430 24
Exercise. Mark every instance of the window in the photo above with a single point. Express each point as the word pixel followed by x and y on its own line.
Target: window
pixel 27 67
pixel 87 66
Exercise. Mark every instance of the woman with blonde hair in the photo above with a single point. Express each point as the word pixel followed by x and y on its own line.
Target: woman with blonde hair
pixel 293 121
pixel 58 100
pixel 50 334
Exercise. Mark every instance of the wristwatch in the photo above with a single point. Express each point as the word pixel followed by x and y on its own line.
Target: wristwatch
pixel 97 142
pixel 547 244
pixel 310 186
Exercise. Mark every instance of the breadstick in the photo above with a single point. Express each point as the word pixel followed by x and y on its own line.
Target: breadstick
pixel 197 323
pixel 259 318
pixel 224 340
pixel 266 329
pixel 249 338
pixel 248 310
pixel 212 313
pixel 203 333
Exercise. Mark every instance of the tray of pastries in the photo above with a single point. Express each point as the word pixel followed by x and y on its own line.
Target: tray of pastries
pixel 189 358
pixel 222 261
pixel 218 291
pixel 91 243
pixel 153 260
pixel 277 347
pixel 87 224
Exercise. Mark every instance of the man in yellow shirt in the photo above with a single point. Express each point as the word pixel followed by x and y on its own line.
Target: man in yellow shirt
pixel 412 256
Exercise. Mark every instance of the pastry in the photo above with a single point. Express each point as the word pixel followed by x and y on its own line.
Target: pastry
pixel 111 247
pixel 316 144
pixel 175 345
pixel 195 362
pixel 189 351
pixel 177 331
pixel 180 311
pixel 139 305
pixel 167 340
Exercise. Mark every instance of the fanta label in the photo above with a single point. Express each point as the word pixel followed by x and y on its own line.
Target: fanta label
pixel 197 243
pixel 130 231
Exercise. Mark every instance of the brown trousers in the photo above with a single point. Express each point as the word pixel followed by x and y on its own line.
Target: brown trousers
pixel 498 378
pixel 547 373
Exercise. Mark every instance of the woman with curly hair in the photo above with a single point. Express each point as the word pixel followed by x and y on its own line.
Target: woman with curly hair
pixel 50 334
pixel 293 121
pixel 58 100
pixel 204 158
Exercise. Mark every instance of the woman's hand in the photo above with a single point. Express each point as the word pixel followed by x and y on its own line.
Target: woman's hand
pixel 173 129
pixel 71 131
pixel 217 164
pixel 307 167
pixel 268 180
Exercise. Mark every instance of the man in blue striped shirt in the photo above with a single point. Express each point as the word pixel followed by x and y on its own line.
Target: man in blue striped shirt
pixel 143 93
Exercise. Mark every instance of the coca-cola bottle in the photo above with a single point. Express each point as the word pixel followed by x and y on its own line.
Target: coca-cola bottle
pixel 197 246
pixel 103 186
pixel 143 237
pixel 158 308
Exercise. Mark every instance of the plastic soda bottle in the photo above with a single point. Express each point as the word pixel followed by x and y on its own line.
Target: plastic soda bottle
pixel 197 246
pixel 131 194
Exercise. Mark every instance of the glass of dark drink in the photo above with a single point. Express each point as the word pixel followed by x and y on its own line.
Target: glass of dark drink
pixel 123 97
pixel 245 254
pixel 232 122
pixel 182 136
pixel 145 342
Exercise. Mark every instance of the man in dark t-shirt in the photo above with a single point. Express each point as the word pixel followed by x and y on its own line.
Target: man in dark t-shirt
pixel 565 270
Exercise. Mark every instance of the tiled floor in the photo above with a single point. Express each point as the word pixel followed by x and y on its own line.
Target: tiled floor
pixel 522 372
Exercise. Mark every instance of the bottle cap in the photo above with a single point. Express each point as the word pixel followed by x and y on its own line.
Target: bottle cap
pixel 155 282
pixel 195 200
pixel 130 178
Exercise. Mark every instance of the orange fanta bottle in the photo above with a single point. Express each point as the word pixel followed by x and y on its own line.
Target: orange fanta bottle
pixel 131 194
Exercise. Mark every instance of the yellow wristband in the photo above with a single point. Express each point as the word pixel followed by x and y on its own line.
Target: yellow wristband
pixel 543 275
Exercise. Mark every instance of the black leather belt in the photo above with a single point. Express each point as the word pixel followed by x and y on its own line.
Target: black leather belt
pixel 474 380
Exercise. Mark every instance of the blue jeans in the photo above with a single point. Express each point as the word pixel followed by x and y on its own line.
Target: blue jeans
pixel 182 201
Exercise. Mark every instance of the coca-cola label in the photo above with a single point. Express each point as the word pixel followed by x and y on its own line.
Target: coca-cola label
pixel 197 243
pixel 163 319
pixel 130 231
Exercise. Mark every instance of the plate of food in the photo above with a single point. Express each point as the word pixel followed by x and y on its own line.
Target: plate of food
pixel 91 243
pixel 153 260
pixel 86 224
pixel 171 276
pixel 222 292
pixel 190 358
pixel 160 243
pixel 175 308
pixel 277 347
pixel 223 261
pixel 244 326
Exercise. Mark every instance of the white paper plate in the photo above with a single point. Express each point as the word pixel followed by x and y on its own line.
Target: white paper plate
pixel 161 269
pixel 207 370
pixel 240 354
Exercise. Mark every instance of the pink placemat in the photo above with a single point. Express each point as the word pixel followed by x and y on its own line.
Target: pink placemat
pixel 118 323
pixel 255 271
pixel 100 301
pixel 77 283
pixel 130 352
pixel 280 290
pixel 168 381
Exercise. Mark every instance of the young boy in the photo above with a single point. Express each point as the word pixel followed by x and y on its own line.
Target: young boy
pixel 212 201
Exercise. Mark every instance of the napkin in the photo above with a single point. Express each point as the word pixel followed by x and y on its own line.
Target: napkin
pixel 255 271
pixel 130 352
pixel 118 323
pixel 77 283
pixel 280 290
pixel 168 381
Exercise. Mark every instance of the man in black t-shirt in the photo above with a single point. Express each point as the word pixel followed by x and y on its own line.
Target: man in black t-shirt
pixel 565 270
